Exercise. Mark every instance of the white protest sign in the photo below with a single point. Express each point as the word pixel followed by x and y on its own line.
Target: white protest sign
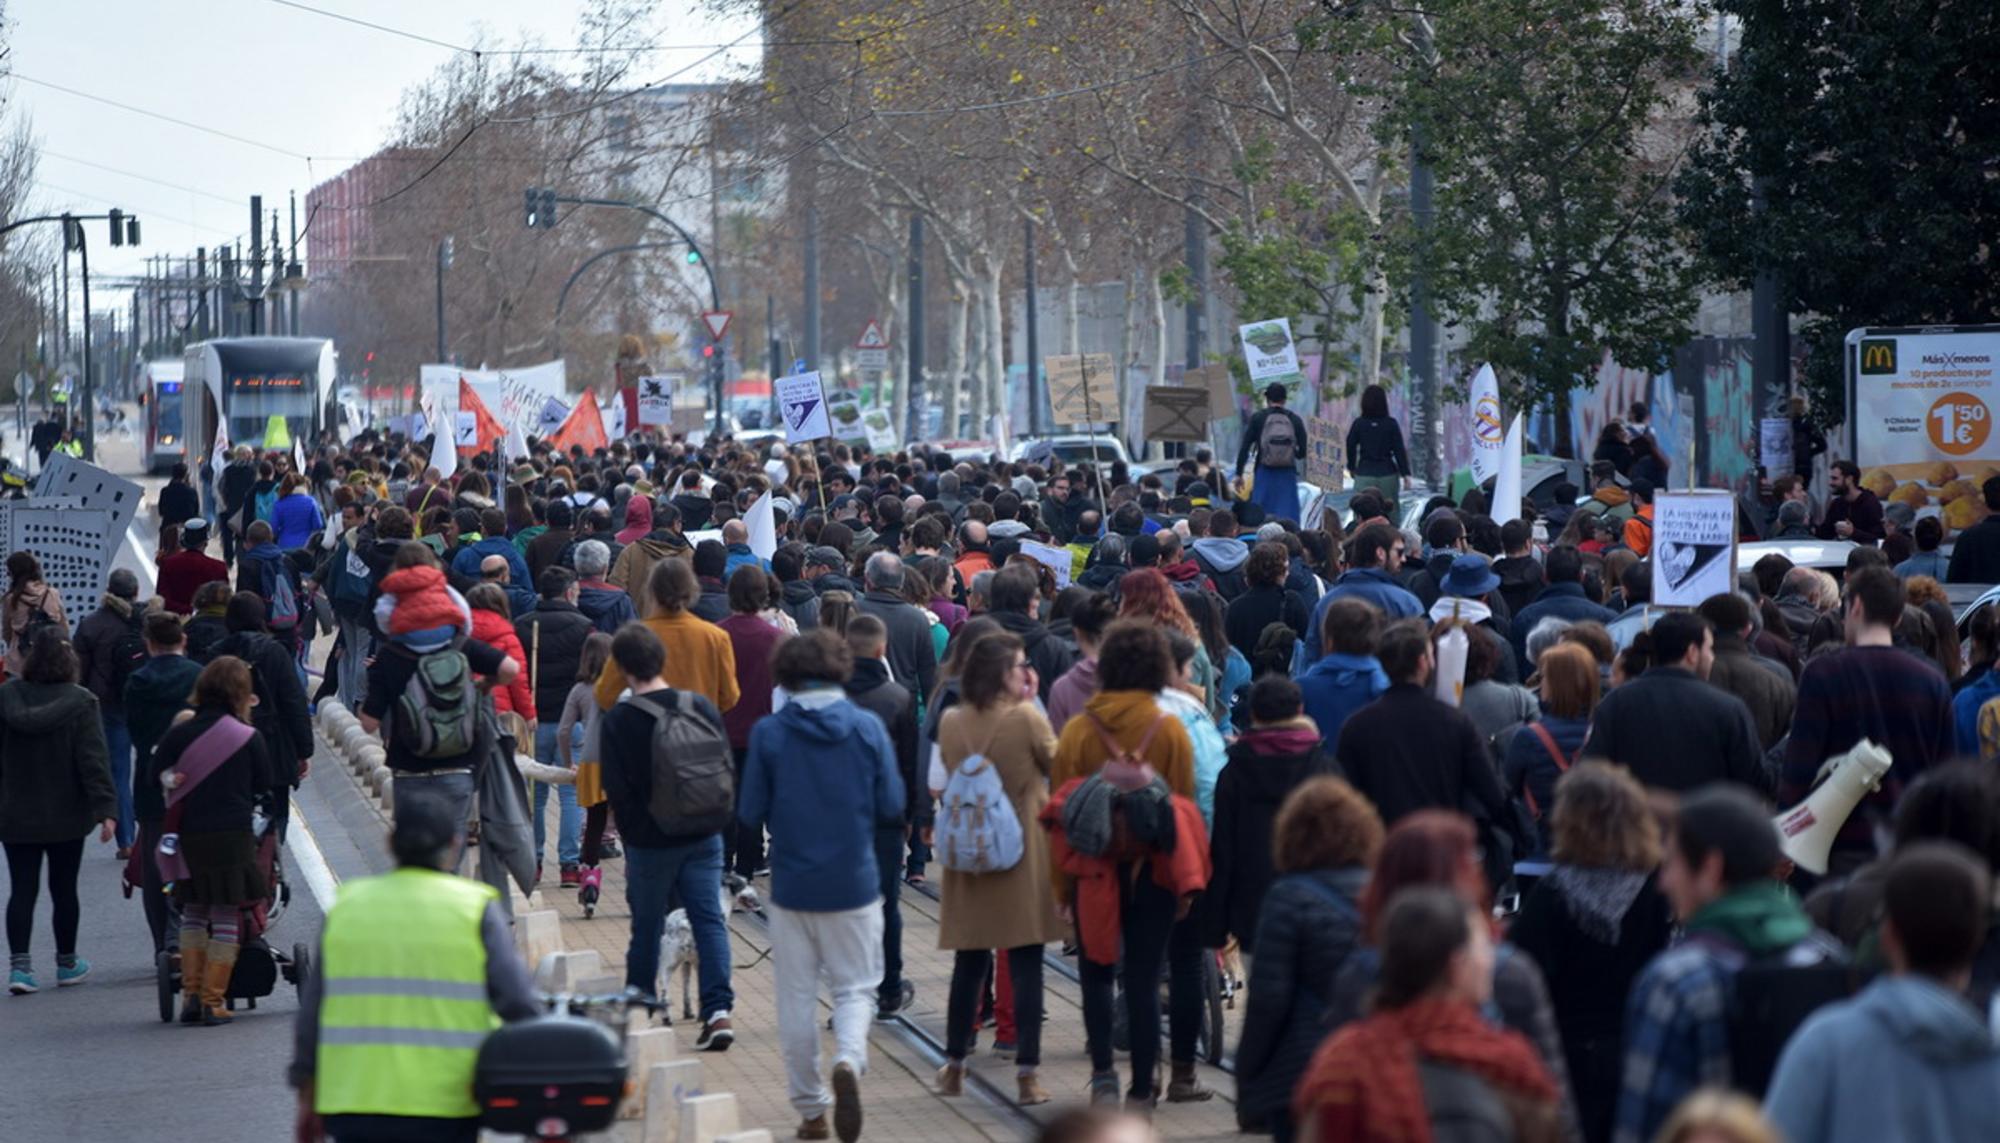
pixel 802 399
pixel 1694 547
pixel 1051 557
pixel 844 415
pixel 656 398
pixel 554 413
pixel 1484 429
pixel 1271 354
pixel 881 430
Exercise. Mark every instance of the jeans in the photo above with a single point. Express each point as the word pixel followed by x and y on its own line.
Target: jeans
pixel 570 820
pixel 845 950
pixel 357 639
pixel 453 788
pixel 1146 915
pixel 692 874
pixel 742 845
pixel 24 869
pixel 118 740
pixel 968 978
pixel 888 850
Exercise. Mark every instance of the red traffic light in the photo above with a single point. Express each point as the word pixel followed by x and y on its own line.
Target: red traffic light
pixel 371 356
pixel 708 351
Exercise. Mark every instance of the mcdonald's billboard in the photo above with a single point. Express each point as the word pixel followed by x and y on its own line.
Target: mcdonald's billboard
pixel 1921 407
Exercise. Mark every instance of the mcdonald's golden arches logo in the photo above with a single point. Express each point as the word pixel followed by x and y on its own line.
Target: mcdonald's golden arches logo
pixel 1878 355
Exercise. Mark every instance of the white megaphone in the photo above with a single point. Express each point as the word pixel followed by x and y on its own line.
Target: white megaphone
pixel 1808 829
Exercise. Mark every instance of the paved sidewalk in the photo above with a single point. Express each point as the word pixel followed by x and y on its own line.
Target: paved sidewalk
pixel 898 1097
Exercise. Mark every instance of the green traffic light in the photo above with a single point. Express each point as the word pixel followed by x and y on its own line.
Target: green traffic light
pixel 694 258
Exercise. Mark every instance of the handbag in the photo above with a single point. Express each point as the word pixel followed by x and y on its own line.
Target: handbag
pixel 204 756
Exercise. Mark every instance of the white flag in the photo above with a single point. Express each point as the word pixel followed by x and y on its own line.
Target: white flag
pixel 1506 503
pixel 763 525
pixel 445 457
pixel 1483 424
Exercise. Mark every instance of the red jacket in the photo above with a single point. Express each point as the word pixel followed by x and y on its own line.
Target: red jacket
pixel 1187 571
pixel 492 629
pixel 184 573
pixel 422 601
pixel 1098 919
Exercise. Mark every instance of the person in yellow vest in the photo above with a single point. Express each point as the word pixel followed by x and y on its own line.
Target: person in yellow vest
pixel 415 968
pixel 69 445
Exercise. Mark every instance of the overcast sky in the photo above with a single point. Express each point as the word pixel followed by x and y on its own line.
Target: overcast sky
pixel 264 71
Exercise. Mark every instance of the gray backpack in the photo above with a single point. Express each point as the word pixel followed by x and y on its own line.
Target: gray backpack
pixel 694 778
pixel 1277 443
pixel 1124 811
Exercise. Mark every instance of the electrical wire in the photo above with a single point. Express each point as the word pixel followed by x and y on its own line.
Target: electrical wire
pixel 346 19
pixel 46 153
pixel 272 147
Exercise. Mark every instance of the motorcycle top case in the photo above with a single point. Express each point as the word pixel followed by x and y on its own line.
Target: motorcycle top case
pixel 556 1066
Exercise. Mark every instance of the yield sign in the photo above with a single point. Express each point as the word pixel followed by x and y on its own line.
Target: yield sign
pixel 718 322
pixel 873 337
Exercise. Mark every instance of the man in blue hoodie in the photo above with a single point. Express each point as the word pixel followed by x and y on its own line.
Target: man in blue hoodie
pixel 1347 676
pixel 492 541
pixel 821 774
pixel 1378 552
pixel 1221 556
pixel 1910 1057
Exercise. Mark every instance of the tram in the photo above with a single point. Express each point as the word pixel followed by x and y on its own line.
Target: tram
pixel 160 394
pixel 265 392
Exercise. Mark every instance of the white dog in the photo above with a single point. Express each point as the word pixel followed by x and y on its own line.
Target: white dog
pixel 678 954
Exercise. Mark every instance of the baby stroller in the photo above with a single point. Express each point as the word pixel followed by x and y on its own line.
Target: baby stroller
pixel 258 965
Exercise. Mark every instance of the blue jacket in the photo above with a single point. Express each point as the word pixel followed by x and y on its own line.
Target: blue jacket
pixel 1337 686
pixel 1933 564
pixel 295 518
pixel 1965 712
pixel 520 584
pixel 822 775
pixel 1370 585
pixel 608 608
pixel 1562 600
pixel 740 554
pixel 1905 1059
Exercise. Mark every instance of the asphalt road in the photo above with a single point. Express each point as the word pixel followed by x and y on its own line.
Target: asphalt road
pixel 93 1063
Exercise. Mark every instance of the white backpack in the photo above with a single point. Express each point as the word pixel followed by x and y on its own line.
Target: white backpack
pixel 977 830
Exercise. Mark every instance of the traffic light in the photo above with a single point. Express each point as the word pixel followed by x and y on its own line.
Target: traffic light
pixel 708 350
pixel 117 227
pixel 132 235
pixel 540 208
pixel 694 257
pixel 72 234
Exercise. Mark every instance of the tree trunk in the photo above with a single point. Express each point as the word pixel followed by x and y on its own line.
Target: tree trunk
pixel 1072 337
pixel 1158 372
pixel 1371 330
pixel 975 366
pixel 955 354
pixel 993 266
pixel 892 305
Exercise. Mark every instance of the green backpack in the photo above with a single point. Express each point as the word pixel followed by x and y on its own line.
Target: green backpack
pixel 437 715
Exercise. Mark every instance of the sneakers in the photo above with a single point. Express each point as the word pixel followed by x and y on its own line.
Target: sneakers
pixel 1105 1090
pixel 887 1009
pixel 1003 1047
pixel 571 875
pixel 716 1034
pixel 609 848
pixel 846 1103
pixel 74 973
pixel 22 982
pixel 814 1128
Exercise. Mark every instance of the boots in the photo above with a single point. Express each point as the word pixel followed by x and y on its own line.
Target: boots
pixel 194 962
pixel 1185 1086
pixel 215 985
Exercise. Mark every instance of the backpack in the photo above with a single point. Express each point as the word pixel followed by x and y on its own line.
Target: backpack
pixel 351 577
pixel 284 601
pixel 266 503
pixel 694 776
pixel 1124 810
pixel 1770 997
pixel 437 715
pixel 977 830
pixel 38 620
pixel 1277 443
pixel 129 652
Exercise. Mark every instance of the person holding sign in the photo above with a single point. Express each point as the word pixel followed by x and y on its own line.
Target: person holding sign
pixel 1278 436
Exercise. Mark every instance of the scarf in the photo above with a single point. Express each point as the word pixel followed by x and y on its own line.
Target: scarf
pixel 1597 898
pixel 1761 917
pixel 1363 1084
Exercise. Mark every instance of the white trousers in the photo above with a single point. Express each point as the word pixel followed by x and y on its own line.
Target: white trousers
pixel 843 950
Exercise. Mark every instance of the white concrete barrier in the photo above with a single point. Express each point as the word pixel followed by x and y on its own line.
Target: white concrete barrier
pixel 668 1086
pixel 563 971
pixel 706 1118
pixel 539 934
pixel 644 1048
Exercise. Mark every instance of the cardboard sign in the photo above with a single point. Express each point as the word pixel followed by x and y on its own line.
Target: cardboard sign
pixel 1176 413
pixel 1220 385
pixel 1774 446
pixel 1083 390
pixel 844 414
pixel 1326 453
pixel 802 400
pixel 1694 547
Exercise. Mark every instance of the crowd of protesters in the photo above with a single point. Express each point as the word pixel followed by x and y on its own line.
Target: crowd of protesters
pixel 1487 836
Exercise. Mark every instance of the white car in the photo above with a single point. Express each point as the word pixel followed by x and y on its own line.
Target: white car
pixel 1072 448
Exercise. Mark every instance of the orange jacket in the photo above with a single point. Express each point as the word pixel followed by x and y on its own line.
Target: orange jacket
pixel 492 629
pixel 1639 531
pixel 1099 920
pixel 700 658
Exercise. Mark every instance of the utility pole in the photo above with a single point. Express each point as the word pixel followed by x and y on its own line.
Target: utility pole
pixel 256 299
pixel 915 385
pixel 1034 333
pixel 201 293
pixel 1424 364
pixel 810 350
pixel 443 264
pixel 292 268
pixel 777 352
pixel 89 378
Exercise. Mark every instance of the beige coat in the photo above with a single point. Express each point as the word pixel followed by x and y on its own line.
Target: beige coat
pixel 1018 907
pixel 39 596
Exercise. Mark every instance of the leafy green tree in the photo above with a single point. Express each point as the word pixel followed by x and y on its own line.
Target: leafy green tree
pixel 1850 150
pixel 1550 126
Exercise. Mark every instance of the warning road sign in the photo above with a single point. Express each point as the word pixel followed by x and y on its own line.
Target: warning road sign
pixel 872 337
